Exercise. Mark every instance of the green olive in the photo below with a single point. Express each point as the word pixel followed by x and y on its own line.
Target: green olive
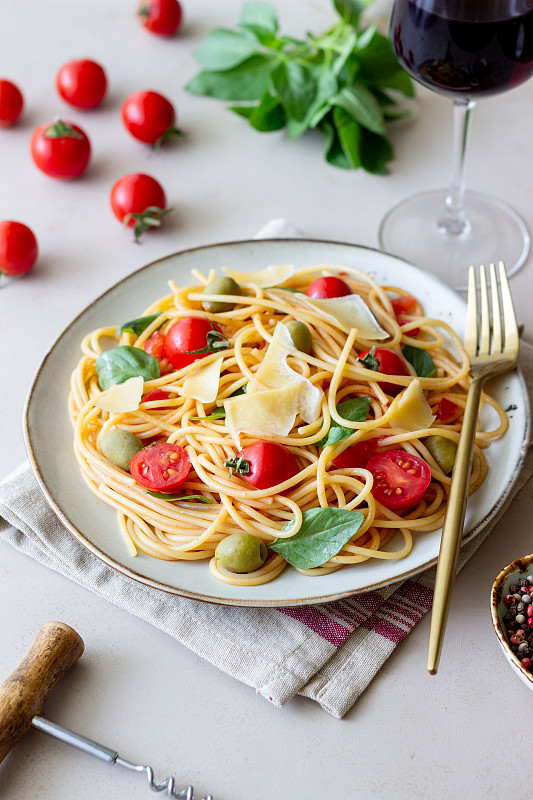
pixel 241 552
pixel 222 285
pixel 300 335
pixel 120 446
pixel 443 451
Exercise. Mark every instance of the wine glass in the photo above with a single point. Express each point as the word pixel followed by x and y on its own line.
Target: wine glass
pixel 465 50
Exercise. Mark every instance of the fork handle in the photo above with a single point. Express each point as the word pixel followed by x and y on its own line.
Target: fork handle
pixel 23 695
pixel 452 529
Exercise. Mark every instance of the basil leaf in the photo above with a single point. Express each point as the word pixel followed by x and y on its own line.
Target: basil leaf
pixel 323 534
pixel 349 136
pixel 218 413
pixel 259 15
pixel 136 326
pixel 123 362
pixel 294 86
pixel 350 10
pixel 224 49
pixel 170 497
pixel 420 359
pixel 248 81
pixel 361 104
pixel 355 410
pixel 376 151
pixel 334 154
pixel 267 116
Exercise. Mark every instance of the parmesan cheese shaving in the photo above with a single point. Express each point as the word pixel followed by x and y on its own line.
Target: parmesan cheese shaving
pixel 268 413
pixel 270 276
pixel 122 396
pixel 413 412
pixel 347 312
pixel 202 384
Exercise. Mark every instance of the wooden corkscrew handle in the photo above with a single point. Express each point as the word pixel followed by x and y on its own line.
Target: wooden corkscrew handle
pixel 23 695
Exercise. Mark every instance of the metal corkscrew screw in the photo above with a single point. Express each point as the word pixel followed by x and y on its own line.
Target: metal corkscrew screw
pixel 24 694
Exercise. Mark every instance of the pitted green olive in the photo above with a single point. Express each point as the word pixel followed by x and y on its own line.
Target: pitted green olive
pixel 300 335
pixel 120 446
pixel 443 451
pixel 221 285
pixel 241 552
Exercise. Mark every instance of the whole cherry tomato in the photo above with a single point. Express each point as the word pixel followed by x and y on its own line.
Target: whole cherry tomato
pixel 149 117
pixel 139 202
pixel 357 455
pixel 82 83
pixel 11 103
pixel 328 287
pixel 264 464
pixel 18 248
pixel 400 479
pixel 161 467
pixel 60 149
pixel 162 17
pixel 388 362
pixel 191 338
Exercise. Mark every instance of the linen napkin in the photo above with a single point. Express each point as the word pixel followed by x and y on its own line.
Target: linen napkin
pixel 327 652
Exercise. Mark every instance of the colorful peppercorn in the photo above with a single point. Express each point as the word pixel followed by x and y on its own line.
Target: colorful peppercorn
pixel 519 620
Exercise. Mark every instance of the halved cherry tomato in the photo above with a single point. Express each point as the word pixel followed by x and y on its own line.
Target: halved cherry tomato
pixel 18 248
pixel 264 464
pixel 400 479
pixel 404 304
pixel 155 394
pixel 190 334
pixel 82 83
pixel 358 455
pixel 60 149
pixel 162 17
pixel 149 117
pixel 389 362
pixel 155 346
pixel 161 467
pixel 11 103
pixel 328 287
pixel 446 410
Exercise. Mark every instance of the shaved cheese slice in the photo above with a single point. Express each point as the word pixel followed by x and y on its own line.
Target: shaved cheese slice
pixel 413 412
pixel 274 372
pixel 270 276
pixel 123 396
pixel 202 384
pixel 268 413
pixel 347 312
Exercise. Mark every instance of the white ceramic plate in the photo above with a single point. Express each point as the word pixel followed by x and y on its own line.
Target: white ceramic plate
pixel 49 434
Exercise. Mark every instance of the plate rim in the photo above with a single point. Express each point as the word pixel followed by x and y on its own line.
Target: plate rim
pixel 144 580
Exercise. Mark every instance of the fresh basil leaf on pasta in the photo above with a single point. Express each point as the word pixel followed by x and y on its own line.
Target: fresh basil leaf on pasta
pixel 323 533
pixel 218 413
pixel 123 362
pixel 136 326
pixel 355 410
pixel 420 359
pixel 196 497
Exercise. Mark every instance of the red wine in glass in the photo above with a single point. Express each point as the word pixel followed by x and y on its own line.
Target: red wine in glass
pixel 465 50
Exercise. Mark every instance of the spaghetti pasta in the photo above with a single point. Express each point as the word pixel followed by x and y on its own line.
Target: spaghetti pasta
pixel 214 501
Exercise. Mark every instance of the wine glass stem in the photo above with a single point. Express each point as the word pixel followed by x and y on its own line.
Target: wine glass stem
pixel 455 221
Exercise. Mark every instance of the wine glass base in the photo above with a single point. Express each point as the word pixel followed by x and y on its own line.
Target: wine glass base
pixel 494 233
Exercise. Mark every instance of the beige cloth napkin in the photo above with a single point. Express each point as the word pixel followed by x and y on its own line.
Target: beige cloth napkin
pixel 328 653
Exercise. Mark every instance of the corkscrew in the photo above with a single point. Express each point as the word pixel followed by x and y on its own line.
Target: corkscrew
pixel 24 693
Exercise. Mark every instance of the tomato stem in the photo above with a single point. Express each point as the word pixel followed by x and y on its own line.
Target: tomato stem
pixel 61 130
pixel 238 465
pixel 144 220
pixel 215 341
pixel 171 133
pixel 370 361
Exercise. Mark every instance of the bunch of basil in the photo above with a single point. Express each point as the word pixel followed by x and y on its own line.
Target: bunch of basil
pixel 339 83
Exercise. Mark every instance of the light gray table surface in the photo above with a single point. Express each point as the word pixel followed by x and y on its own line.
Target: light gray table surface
pixel 461 733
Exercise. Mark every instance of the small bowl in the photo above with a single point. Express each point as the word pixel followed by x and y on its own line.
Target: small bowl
pixel 507 577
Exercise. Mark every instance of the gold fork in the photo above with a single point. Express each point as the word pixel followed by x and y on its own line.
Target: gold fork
pixel 492 346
